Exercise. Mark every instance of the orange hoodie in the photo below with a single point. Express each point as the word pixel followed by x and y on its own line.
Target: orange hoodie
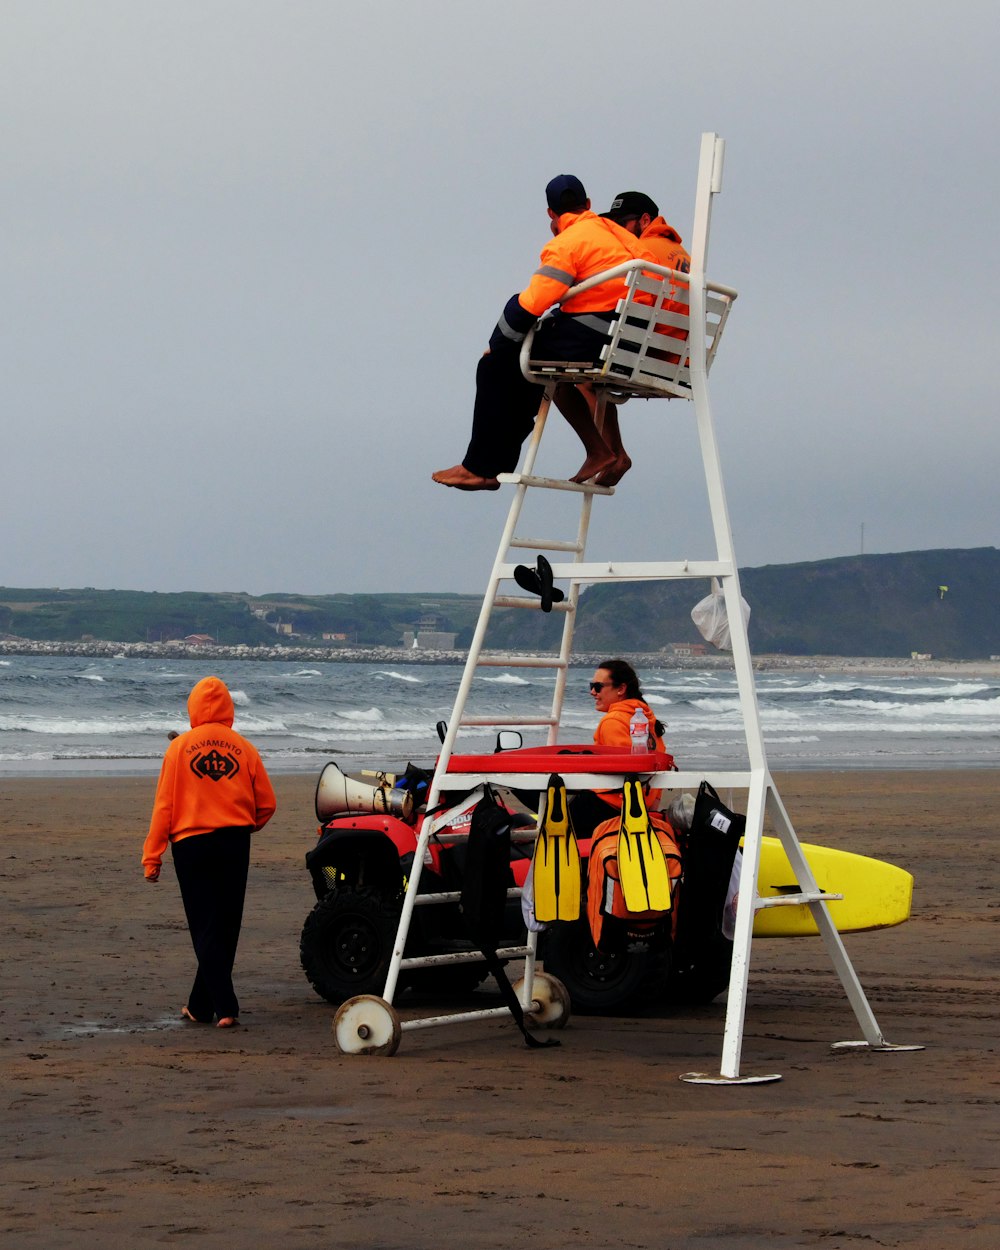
pixel 662 244
pixel 211 777
pixel 613 731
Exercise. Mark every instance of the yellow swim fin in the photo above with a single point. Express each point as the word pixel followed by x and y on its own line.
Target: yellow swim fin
pixel 556 866
pixel 645 880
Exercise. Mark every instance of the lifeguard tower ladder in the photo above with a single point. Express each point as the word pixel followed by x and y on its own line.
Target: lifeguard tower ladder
pixel 646 356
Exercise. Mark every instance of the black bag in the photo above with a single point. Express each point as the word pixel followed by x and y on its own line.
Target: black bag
pixel 487 878
pixel 709 851
pixel 417 781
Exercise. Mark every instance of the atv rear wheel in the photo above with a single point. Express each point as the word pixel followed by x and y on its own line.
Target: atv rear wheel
pixel 599 982
pixel 347 940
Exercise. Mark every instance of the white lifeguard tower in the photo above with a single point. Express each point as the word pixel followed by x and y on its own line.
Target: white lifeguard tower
pixel 654 351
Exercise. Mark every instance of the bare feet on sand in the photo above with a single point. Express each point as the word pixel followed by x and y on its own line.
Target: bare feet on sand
pixel 615 472
pixel 598 462
pixel 460 477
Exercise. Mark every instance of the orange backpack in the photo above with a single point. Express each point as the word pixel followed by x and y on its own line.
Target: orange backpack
pixel 611 924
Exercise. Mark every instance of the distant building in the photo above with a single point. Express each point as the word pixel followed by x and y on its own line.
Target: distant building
pixel 428 640
pixel 685 650
pixel 328 637
pixel 199 640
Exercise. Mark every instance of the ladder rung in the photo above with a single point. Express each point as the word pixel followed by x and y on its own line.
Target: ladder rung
pixel 462 957
pixel 453 896
pixel 796 900
pixel 507 720
pixel 509 601
pixel 545 544
pixel 633 570
pixel 458 1017
pixel 554 483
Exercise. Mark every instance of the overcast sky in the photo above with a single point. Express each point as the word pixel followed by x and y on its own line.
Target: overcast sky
pixel 252 250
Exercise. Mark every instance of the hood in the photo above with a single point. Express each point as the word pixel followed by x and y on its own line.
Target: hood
pixel 660 228
pixel 624 709
pixel 210 703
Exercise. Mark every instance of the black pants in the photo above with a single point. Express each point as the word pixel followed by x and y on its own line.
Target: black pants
pixel 507 403
pixel 212 874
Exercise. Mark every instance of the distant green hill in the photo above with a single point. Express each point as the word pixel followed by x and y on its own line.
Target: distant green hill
pixel 946 603
pixel 873 605
pixel 58 615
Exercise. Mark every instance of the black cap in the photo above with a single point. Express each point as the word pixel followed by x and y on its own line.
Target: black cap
pixel 628 204
pixel 564 193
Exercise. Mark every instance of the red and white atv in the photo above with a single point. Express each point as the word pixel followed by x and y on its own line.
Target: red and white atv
pixel 359 869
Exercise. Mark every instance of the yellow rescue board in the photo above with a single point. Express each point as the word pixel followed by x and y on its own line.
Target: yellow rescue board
pixel 876 894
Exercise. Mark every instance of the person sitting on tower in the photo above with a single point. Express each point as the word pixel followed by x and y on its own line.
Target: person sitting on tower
pixel 637 213
pixel 506 403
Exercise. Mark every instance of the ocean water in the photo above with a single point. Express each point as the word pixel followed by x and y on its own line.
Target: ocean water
pixel 73 716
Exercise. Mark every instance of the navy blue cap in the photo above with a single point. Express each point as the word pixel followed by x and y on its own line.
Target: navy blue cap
pixel 564 193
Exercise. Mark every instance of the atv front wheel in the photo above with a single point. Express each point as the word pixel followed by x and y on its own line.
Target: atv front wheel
pixel 599 982
pixel 347 940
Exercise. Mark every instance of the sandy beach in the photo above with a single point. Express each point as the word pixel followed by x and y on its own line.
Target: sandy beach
pixel 124 1127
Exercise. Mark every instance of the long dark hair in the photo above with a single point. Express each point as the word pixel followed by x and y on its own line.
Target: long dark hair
pixel 623 674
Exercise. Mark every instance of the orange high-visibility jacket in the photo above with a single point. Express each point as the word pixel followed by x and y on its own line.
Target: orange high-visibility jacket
pixel 211 777
pixel 661 243
pixel 586 244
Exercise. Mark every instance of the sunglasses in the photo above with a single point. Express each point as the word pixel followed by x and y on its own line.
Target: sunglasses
pixel 599 685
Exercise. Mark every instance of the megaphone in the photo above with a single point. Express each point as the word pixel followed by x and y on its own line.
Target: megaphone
pixel 336 792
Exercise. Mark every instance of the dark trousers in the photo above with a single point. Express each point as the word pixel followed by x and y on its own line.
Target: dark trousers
pixel 211 871
pixel 507 403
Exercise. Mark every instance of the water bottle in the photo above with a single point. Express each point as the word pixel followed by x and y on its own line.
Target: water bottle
pixel 638 729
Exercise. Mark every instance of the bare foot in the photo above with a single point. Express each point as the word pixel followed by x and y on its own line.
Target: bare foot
pixel 187 1015
pixel 596 462
pixel 228 1022
pixel 614 474
pixel 460 477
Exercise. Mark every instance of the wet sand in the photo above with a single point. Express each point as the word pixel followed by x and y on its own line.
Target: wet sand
pixel 123 1127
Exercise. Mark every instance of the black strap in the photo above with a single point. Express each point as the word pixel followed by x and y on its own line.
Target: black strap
pixel 484 895
pixel 499 974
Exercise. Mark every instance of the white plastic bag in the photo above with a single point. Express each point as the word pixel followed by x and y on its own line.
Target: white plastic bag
pixel 732 898
pixel 712 621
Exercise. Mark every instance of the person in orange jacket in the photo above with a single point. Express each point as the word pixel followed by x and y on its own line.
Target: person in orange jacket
pixel 506 403
pixel 635 212
pixel 616 693
pixel 213 793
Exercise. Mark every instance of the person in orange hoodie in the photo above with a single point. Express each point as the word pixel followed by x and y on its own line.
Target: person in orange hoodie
pixel 213 793
pixel 616 693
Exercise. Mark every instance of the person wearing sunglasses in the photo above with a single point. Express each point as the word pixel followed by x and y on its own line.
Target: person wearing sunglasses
pixel 616 693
